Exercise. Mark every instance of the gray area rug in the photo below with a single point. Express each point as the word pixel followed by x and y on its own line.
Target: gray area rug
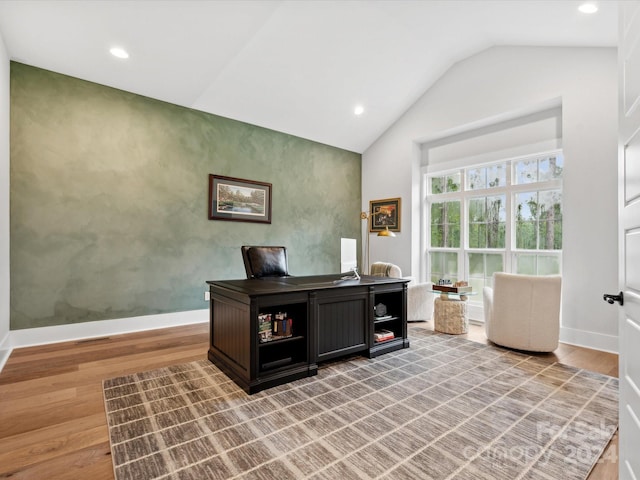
pixel 444 408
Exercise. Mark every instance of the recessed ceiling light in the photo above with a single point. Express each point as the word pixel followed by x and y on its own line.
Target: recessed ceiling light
pixel 119 52
pixel 359 110
pixel 588 8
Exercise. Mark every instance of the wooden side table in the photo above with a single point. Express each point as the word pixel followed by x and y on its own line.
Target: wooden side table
pixel 450 315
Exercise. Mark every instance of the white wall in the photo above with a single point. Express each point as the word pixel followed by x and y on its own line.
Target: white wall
pixel 505 82
pixel 4 200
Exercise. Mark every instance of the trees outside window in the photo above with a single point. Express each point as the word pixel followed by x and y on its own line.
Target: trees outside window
pixel 539 220
pixel 445 224
pixel 503 216
pixel 487 222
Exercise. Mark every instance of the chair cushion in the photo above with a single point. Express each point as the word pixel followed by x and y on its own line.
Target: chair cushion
pixel 267 261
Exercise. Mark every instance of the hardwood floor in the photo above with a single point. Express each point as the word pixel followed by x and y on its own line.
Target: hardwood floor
pixel 52 420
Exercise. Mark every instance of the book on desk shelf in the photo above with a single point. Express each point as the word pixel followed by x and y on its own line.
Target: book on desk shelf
pixel 265 327
pixel 383 335
pixel 274 327
pixel 282 326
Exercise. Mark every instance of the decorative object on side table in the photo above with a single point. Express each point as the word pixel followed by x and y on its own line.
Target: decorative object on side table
pixel 450 314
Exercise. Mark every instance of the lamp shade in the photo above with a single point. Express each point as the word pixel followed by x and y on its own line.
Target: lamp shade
pixel 386 233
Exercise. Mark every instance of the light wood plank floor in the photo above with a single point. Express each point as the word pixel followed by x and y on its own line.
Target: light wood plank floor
pixel 52 420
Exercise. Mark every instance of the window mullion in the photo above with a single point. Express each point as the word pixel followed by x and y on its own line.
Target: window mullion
pixel 510 222
pixel 463 268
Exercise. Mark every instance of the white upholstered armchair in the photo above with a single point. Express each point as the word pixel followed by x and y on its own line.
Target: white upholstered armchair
pixel 419 295
pixel 523 311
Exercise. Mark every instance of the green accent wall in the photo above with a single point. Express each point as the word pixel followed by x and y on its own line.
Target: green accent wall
pixel 109 194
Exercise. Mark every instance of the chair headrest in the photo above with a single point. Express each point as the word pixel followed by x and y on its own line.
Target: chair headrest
pixel 265 261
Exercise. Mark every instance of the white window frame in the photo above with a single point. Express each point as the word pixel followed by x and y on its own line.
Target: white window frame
pixel 510 190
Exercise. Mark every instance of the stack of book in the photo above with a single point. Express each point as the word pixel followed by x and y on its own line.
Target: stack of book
pixel 453 288
pixel 282 326
pixel 382 335
pixel 274 326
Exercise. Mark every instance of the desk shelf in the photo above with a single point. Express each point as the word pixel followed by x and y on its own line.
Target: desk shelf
pixel 380 320
pixel 395 302
pixel 280 341
pixel 283 352
pixel 328 320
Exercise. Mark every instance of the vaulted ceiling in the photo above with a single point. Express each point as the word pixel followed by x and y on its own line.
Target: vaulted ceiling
pixel 299 66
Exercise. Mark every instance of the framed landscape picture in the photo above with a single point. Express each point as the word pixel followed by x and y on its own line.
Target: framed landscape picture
pixel 239 200
pixel 385 213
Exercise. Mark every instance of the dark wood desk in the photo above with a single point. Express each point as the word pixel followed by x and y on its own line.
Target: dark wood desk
pixel 324 317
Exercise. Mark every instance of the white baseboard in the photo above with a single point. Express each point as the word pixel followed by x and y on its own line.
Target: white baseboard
pixel 4 356
pixel 572 336
pixel 5 349
pixel 596 341
pixel 78 331
pixel 476 313
pixel 29 337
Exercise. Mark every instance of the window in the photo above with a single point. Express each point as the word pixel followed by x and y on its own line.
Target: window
pixel 487 222
pixel 482 267
pixel 503 216
pixel 534 170
pixel 539 220
pixel 492 176
pixel 444 265
pixel 448 183
pixel 445 224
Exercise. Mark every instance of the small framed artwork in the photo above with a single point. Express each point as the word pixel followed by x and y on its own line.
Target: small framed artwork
pixel 239 200
pixel 385 214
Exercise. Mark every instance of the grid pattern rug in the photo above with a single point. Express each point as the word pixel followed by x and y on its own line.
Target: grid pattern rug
pixel 444 408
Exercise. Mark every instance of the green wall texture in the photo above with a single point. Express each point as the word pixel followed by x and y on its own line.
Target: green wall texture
pixel 109 195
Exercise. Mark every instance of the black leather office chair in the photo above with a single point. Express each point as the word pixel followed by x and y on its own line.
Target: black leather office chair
pixel 265 261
